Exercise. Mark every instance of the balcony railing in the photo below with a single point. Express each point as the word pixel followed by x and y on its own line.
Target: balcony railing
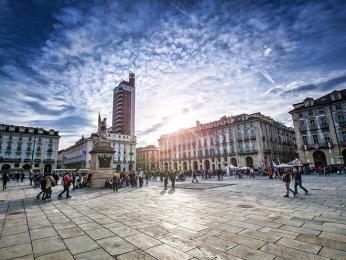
pixel 324 145
pixel 247 151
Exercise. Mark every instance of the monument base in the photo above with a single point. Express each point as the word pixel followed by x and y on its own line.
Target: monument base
pixel 99 178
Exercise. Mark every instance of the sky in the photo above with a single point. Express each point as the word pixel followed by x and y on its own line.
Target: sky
pixel 193 60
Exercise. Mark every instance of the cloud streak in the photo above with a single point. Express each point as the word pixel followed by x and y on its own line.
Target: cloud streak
pixel 210 57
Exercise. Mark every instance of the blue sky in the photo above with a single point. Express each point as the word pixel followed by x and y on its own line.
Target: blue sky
pixel 194 60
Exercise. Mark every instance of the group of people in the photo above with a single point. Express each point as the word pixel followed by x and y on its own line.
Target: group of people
pixel 290 175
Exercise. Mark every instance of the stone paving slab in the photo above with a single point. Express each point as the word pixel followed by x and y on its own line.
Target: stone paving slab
pixel 249 220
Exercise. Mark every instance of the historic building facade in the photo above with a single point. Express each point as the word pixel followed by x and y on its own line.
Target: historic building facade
pixel 251 140
pixel 77 156
pixel 320 129
pixel 124 151
pixel 123 121
pixel 28 147
pixel 147 158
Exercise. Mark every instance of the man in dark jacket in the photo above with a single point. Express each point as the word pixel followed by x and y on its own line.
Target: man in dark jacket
pixel 43 187
pixel 297 175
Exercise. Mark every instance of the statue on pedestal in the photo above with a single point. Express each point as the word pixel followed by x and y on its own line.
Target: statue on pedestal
pixel 101 157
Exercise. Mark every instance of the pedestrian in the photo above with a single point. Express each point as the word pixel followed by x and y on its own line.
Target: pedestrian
pixel 43 187
pixel 297 175
pixel 165 180
pixel 30 177
pixel 115 182
pixel 89 180
pixel 5 179
pixel 73 181
pixel 50 182
pixel 67 183
pixel 22 176
pixel 17 175
pixel 252 173
pixel 173 176
pixel 147 178
pixel 194 177
pixel 287 180
pixel 78 181
pixel 140 177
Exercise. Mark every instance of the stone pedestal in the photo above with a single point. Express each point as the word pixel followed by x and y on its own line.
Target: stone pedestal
pixel 101 163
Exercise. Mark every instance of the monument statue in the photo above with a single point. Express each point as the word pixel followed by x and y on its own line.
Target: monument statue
pixel 102 128
pixel 101 163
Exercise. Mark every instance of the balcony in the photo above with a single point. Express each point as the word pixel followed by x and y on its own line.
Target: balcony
pixel 48 161
pixel 247 151
pixel 317 146
pixel 246 137
pixel 342 123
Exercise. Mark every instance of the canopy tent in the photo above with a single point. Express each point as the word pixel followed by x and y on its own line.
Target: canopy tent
pixel 231 167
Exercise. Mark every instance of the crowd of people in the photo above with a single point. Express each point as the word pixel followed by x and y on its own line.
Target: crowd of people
pixel 136 179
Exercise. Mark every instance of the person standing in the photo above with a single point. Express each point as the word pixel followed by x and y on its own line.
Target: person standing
pixel 297 175
pixel 67 183
pixel 49 180
pixel 4 180
pixel 115 182
pixel 287 180
pixel 17 176
pixel 147 178
pixel 165 180
pixel 140 178
pixel 194 177
pixel 173 176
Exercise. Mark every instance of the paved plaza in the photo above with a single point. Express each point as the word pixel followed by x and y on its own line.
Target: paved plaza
pixel 233 219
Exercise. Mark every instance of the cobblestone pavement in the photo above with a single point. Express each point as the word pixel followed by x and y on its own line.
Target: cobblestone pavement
pixel 245 219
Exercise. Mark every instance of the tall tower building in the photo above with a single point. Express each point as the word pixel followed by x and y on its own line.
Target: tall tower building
pixel 123 121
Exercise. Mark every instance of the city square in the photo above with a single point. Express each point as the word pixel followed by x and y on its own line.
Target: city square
pixel 171 130
pixel 242 219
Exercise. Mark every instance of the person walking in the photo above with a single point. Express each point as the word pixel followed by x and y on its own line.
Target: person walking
pixel 43 187
pixel 287 180
pixel 5 179
pixel 67 183
pixel 22 176
pixel 297 175
pixel 194 177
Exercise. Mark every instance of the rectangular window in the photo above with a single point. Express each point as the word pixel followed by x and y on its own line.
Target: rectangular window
pixel 311 112
pixel 327 138
pixel 324 122
pixel 321 112
pixel 341 118
pixel 312 123
pixel 305 141
pixel 301 124
pixel 300 115
pixel 343 135
pixel 315 139
pixel 338 107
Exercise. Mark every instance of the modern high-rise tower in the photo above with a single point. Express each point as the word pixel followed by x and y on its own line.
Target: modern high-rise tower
pixel 123 121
